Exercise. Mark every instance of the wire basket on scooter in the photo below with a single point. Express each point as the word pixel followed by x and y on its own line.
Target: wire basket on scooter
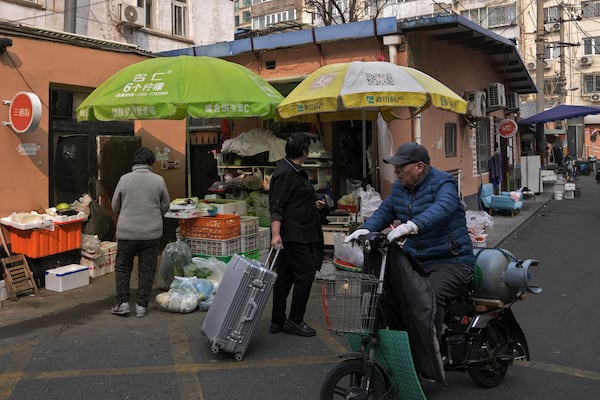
pixel 349 302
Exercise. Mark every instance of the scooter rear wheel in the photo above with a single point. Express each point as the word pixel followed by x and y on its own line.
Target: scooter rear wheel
pixel 346 381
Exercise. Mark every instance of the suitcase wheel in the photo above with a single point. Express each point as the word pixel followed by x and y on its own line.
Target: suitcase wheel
pixel 214 348
pixel 238 356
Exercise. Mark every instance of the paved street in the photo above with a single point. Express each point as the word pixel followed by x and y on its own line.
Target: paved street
pixel 79 350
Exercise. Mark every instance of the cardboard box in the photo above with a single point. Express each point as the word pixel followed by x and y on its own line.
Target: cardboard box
pixel 102 264
pixel 66 278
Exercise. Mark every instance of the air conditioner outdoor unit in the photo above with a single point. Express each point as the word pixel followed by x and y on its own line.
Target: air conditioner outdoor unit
pixel 595 97
pixel 531 65
pixel 512 101
pixel 585 61
pixel 552 27
pixel 476 104
pixel 132 15
pixel 496 97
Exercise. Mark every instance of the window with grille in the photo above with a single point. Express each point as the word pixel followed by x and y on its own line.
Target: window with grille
pixel 552 86
pixel 478 15
pixel 591 83
pixel 483 144
pixel 551 52
pixel 591 45
pixel 502 15
pixel 450 139
pixel 590 9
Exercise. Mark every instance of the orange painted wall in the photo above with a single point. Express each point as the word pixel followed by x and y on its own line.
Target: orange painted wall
pixel 33 65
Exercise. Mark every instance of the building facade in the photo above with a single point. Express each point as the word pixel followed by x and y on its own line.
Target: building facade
pixel 152 25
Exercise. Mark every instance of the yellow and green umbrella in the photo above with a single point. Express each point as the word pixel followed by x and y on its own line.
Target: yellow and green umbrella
pixel 362 89
pixel 177 87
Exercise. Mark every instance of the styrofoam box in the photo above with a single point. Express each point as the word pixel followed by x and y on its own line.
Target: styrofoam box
pixel 569 186
pixel 66 278
pixel 3 293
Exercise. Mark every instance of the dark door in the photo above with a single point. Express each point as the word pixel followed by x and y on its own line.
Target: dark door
pixel 71 167
pixel 348 153
pixel 115 158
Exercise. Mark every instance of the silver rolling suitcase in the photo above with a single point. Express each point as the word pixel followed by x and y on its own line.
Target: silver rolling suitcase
pixel 239 303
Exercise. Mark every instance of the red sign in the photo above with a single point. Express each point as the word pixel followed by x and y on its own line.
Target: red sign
pixel 507 128
pixel 25 112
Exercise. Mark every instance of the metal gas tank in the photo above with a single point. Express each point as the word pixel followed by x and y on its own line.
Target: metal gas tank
pixel 500 275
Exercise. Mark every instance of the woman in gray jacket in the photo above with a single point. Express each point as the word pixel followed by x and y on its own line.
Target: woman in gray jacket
pixel 140 201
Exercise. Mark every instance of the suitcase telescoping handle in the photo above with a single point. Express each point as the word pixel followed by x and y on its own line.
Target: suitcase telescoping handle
pixel 270 263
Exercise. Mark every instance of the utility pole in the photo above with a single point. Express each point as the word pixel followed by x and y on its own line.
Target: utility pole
pixel 562 80
pixel 539 78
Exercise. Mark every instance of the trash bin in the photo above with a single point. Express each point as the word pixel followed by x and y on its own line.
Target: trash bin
pixel 592 160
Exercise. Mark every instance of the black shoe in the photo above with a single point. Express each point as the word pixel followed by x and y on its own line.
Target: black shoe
pixel 298 328
pixel 275 328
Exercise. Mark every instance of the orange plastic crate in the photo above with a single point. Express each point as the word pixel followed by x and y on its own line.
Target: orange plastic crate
pixel 37 243
pixel 220 226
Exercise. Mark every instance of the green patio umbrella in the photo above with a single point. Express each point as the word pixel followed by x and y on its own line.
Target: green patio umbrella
pixel 177 87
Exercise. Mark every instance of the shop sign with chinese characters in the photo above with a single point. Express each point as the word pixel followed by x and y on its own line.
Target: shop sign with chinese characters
pixel 24 113
pixel 507 128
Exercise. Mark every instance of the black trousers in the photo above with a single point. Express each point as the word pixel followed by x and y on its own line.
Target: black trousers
pixel 147 252
pixel 296 266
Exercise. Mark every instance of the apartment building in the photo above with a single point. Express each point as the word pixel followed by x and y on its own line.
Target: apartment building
pixel 152 25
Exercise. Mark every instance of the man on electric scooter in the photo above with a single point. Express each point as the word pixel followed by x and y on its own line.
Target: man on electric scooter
pixel 425 200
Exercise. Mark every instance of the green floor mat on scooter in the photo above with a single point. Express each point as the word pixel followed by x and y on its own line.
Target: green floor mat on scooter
pixel 393 352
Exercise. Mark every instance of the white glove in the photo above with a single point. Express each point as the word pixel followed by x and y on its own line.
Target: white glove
pixel 403 230
pixel 355 235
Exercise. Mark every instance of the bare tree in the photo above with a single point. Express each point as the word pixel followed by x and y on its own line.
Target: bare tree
pixel 332 12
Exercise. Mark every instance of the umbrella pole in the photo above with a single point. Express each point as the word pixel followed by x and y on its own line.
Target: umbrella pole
pixel 188 161
pixel 364 145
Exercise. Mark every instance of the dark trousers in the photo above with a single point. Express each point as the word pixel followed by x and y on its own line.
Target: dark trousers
pixel 147 252
pixel 448 281
pixel 295 266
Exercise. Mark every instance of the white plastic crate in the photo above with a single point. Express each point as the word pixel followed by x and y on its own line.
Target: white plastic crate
pixel 212 247
pixel 249 242
pixel 264 238
pixel 248 225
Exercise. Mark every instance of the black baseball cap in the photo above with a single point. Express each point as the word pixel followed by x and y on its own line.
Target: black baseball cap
pixel 408 153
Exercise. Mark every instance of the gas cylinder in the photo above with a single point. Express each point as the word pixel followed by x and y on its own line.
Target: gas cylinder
pixel 500 275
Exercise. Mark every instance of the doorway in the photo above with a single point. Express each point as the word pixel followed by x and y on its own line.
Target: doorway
pixel 348 154
pixel 72 148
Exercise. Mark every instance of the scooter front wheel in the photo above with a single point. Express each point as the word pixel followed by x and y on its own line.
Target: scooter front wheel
pixel 346 380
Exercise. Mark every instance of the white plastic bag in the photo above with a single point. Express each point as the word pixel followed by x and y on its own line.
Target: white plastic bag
pixel 211 268
pixel 370 200
pixel 479 220
pixel 347 252
pixel 185 294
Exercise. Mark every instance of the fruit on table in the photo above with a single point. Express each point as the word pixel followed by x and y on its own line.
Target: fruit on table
pixel 62 206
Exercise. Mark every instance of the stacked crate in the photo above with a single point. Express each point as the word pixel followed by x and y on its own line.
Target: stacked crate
pixel 264 242
pixel 249 236
pixel 221 236
pixel 102 263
